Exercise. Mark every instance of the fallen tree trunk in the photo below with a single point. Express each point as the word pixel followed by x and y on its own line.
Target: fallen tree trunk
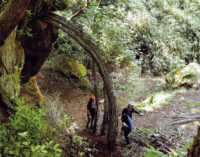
pixel 85 41
pixel 185 121
pixel 185 118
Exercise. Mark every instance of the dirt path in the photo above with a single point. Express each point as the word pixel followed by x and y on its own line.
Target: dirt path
pixel 75 100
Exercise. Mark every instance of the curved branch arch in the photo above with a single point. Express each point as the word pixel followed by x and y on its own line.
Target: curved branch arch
pixel 85 41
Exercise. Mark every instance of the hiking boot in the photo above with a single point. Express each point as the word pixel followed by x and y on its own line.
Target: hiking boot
pixel 126 142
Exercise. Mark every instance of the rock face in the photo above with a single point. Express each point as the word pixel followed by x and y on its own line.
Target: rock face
pixel 188 77
pixel 31 92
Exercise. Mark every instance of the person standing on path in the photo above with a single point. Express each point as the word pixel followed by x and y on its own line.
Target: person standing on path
pixel 91 111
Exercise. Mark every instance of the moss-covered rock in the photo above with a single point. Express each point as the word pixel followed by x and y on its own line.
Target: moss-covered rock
pixel 73 67
pixel 31 92
pixel 189 76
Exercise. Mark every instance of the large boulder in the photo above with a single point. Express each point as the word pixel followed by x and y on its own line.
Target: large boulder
pixel 73 68
pixel 188 77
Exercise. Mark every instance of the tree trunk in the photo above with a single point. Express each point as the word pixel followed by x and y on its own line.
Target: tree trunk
pixel 96 95
pixel 84 40
pixel 104 125
pixel 11 56
pixel 195 151
pixel 10 17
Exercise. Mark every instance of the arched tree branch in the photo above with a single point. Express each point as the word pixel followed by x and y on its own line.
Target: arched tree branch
pixel 10 17
pixel 85 41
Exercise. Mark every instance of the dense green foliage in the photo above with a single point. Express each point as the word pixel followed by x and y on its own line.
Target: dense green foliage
pixel 156 35
pixel 28 133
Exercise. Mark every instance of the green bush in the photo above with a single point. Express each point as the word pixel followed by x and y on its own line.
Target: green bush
pixel 29 133
pixel 154 153
pixel 85 83
pixel 80 147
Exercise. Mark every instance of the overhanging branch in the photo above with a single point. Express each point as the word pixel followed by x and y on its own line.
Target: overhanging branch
pixel 80 11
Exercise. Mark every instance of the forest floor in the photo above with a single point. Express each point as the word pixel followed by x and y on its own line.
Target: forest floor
pixel 157 121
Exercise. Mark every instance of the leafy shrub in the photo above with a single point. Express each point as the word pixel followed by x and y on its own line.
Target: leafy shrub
pixel 28 133
pixel 85 83
pixel 80 147
pixel 154 153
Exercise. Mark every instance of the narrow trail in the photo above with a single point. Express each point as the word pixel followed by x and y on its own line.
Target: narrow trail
pixel 75 100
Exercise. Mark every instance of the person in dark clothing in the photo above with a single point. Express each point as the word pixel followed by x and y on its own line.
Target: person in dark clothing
pixel 130 110
pixel 127 124
pixel 91 112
